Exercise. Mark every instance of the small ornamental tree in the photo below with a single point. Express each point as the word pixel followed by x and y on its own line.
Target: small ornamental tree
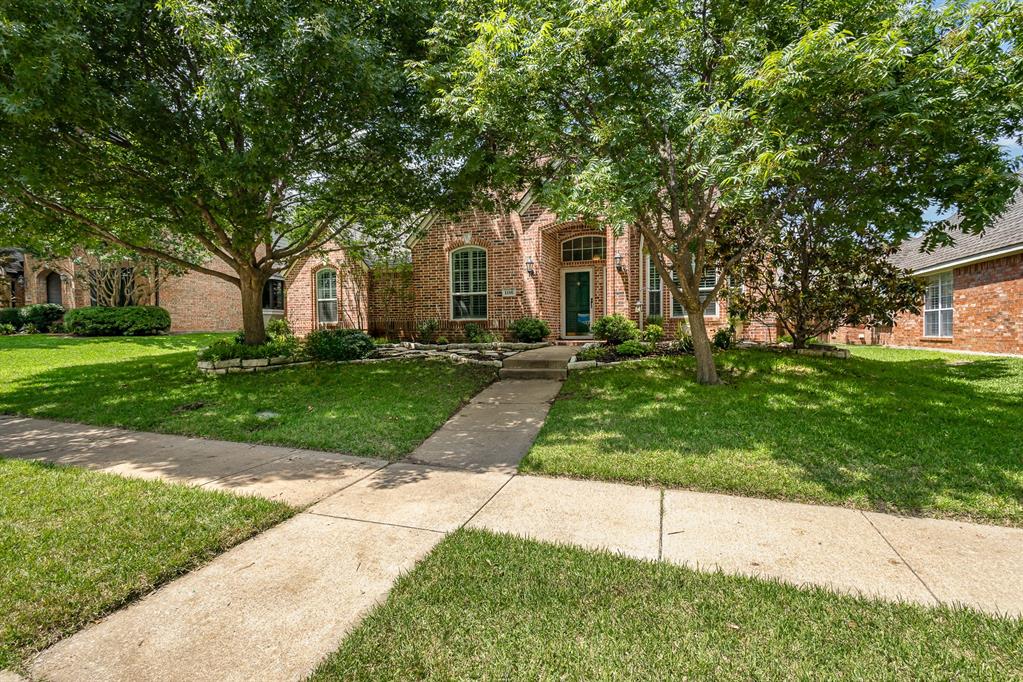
pixel 254 133
pixel 814 276
pixel 690 119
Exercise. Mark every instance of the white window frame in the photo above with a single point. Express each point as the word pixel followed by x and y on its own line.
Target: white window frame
pixel 654 278
pixel 677 311
pixel 485 293
pixel 324 299
pixel 943 284
pixel 595 240
pixel 284 294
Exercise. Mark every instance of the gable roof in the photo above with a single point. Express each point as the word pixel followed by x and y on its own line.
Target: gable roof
pixel 1003 237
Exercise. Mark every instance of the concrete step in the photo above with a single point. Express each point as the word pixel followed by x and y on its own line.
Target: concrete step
pixel 525 362
pixel 545 373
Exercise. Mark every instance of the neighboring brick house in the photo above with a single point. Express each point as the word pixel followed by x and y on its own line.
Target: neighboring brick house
pixel 974 298
pixel 491 269
pixel 325 289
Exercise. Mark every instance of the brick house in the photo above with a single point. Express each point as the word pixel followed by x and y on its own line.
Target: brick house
pixel 320 290
pixel 491 269
pixel 974 298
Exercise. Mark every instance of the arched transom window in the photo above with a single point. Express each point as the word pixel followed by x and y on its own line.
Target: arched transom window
pixel 583 248
pixel 469 284
pixel 326 297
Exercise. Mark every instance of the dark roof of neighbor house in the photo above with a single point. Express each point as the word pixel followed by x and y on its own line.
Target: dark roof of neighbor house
pixel 1004 233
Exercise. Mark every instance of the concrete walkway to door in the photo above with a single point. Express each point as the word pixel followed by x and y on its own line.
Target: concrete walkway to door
pixel 274 606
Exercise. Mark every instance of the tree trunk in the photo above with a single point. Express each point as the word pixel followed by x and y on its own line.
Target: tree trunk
pixel 251 285
pixel 706 372
pixel 798 341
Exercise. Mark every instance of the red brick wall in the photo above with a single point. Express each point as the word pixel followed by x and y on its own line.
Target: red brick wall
pixel 198 302
pixel 391 301
pixel 352 295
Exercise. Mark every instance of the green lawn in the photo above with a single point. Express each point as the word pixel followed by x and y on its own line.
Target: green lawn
pixel 75 545
pixel 893 430
pixel 483 606
pixel 151 384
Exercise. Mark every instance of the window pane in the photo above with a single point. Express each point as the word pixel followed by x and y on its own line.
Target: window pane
pixel 479 271
pixel 946 291
pixel 326 284
pixel 709 278
pixel 326 311
pixel 583 248
pixel 946 323
pixel 931 323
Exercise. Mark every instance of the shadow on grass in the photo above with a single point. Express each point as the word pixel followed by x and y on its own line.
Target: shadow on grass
pixel 913 436
pixel 378 410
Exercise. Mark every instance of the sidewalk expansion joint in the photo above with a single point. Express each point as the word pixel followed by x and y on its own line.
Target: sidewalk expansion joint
pixel 489 499
pixel 375 523
pixel 902 558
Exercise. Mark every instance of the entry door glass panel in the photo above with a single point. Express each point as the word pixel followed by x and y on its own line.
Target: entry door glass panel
pixel 577 304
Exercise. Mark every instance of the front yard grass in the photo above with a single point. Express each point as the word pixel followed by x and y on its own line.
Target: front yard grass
pixel 903 431
pixel 75 545
pixel 485 606
pixel 151 384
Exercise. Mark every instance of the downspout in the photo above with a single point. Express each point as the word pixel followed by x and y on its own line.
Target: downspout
pixel 643 279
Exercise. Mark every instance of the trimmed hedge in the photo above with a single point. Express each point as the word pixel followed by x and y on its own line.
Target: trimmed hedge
pixel 142 320
pixel 230 349
pixel 11 316
pixel 529 330
pixel 338 344
pixel 42 316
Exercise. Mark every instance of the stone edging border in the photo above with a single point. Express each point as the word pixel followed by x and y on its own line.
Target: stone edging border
pixel 840 353
pixel 239 366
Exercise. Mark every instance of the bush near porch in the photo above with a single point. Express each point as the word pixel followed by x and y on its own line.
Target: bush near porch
pixel 902 431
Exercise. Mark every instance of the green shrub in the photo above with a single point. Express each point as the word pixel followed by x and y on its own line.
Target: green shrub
pixel 529 330
pixel 443 341
pixel 11 316
pixel 655 319
pixel 230 349
pixel 427 330
pixel 41 315
pixel 684 344
pixel 29 329
pixel 632 349
pixel 141 320
pixel 653 333
pixel 615 329
pixel 477 334
pixel 278 329
pixel 598 353
pixel 6 329
pixel 338 344
pixel 724 338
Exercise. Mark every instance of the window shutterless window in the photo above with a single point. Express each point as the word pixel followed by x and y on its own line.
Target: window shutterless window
pixel 938 306
pixel 583 248
pixel 469 284
pixel 326 297
pixel 707 282
pixel 653 288
pixel 273 294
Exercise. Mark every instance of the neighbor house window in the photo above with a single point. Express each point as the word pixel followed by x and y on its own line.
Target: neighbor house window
pixel 583 249
pixel 469 284
pixel 653 288
pixel 326 297
pixel 938 306
pixel 273 294
pixel 707 282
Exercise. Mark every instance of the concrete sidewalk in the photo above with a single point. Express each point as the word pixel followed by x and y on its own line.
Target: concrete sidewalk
pixel 274 606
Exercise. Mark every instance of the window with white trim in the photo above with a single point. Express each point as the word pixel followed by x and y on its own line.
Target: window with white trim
pixel 938 306
pixel 469 284
pixel 326 297
pixel 583 249
pixel 653 288
pixel 707 282
pixel 273 294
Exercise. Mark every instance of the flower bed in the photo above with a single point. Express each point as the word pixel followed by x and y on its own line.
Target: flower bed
pixel 598 355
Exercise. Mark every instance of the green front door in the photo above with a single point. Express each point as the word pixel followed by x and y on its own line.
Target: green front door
pixel 577 303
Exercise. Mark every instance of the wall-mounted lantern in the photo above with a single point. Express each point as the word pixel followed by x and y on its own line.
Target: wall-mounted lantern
pixel 619 263
pixel 530 266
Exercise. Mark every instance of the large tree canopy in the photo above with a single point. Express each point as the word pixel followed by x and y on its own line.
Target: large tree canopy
pixel 253 132
pixel 699 120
